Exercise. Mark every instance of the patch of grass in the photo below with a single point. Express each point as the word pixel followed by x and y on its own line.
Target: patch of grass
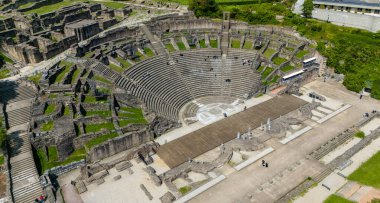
pixel 214 43
pixel 49 109
pixel 287 68
pixel 53 95
pixel 268 53
pixel 98 113
pixel 47 126
pixel 44 164
pixel 103 90
pixel 1 160
pixel 289 48
pixel 202 43
pixel 301 53
pixel 336 199
pixel 27 5
pixel 35 78
pixel 368 172
pixel 181 46
pixel 129 115
pixel 100 139
pixel 261 68
pixel 123 62
pixel 4 73
pixel 115 68
pixel 66 110
pixel 169 47
pixel 60 76
pixel 148 52
pixel 267 71
pixel 184 190
pixel 113 5
pixel 97 127
pixel 92 99
pixel 6 58
pixel 247 44
pixel 75 75
pixel 360 134
pixel 278 60
pixel 89 54
pixel 235 44
pixel 102 79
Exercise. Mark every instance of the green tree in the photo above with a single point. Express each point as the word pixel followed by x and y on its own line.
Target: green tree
pixel 375 92
pixel 204 8
pixel 307 8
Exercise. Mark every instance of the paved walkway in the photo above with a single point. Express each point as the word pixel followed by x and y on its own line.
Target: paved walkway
pixel 243 186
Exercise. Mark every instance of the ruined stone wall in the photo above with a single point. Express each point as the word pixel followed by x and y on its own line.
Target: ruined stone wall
pixel 119 144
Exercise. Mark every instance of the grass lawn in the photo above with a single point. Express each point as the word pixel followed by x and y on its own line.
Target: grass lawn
pixel 27 5
pixel 100 139
pixel 214 43
pixel 123 62
pixel 115 68
pixel 99 113
pixel 336 199
pixel 169 47
pixel 247 44
pixel 360 134
pixel 44 163
pixel 267 71
pixel 148 52
pixel 287 68
pixel 5 58
pixel 112 4
pixel 261 68
pixel 289 48
pixel 66 111
pixel 47 126
pixel 53 95
pixel 368 172
pixel 60 76
pixel 103 90
pixel 235 44
pixel 202 43
pixel 35 78
pixel 278 60
pixel 91 99
pixel 102 79
pixel 4 73
pixel 181 46
pixel 49 109
pixel 97 127
pixel 59 5
pixel 75 75
pixel 129 115
pixel 185 189
pixel 89 54
pixel 302 53
pixel 269 52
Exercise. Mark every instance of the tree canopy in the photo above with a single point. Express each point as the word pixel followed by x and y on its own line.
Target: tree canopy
pixel 204 8
pixel 307 8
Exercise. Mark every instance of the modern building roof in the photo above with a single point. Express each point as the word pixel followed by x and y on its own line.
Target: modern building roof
pixel 370 3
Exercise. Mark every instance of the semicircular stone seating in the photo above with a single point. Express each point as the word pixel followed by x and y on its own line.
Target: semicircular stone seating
pixel 166 87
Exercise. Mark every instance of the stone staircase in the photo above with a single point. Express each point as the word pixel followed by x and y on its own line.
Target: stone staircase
pixel 25 185
pixel 225 33
pixel 156 44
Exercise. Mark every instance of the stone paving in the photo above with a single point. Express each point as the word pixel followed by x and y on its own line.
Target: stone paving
pixel 241 186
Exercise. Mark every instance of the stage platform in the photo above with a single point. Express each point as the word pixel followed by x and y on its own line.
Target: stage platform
pixel 198 142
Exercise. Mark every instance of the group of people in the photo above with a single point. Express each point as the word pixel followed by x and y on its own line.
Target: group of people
pixel 264 163
pixel 247 62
